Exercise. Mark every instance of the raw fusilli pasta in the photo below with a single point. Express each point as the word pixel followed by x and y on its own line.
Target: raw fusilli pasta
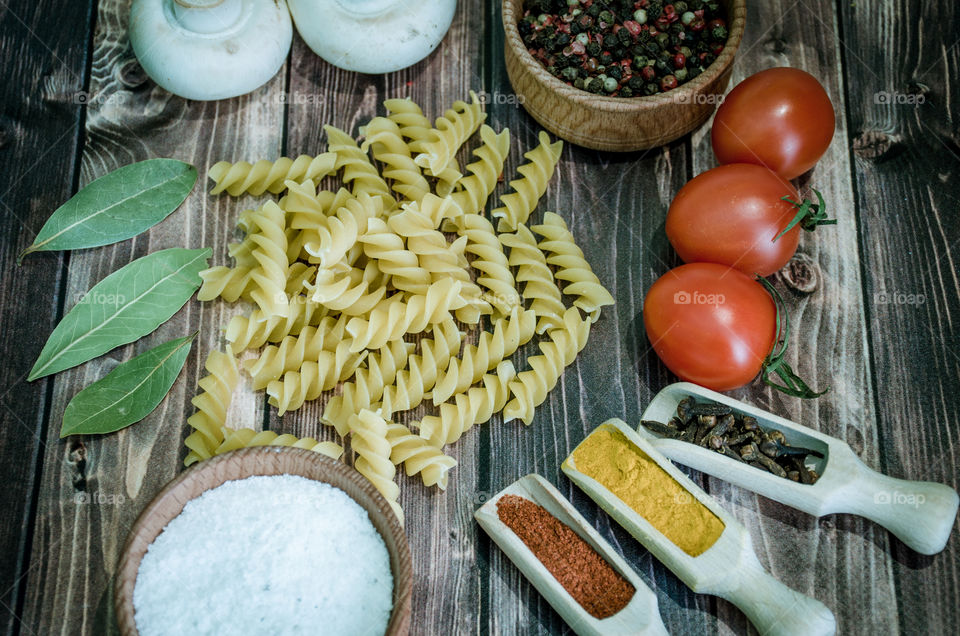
pixel 530 388
pixel 368 434
pixel 263 176
pixel 413 383
pixel 491 263
pixel 353 293
pixel 387 249
pixel 475 406
pixel 450 132
pixel 590 295
pixel 394 317
pixel 257 329
pixel 418 456
pixel 533 271
pixel 476 188
pixel 518 205
pixel 340 233
pixel 417 129
pixel 367 386
pixel 211 403
pixel 508 335
pixel 293 351
pixel 234 439
pixel 390 149
pixel 314 377
pixel 270 277
pixel 358 172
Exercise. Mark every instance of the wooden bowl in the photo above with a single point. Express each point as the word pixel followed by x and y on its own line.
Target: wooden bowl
pixel 617 123
pixel 265 460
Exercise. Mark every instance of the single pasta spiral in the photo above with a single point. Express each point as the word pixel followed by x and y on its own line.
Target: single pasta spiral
pixel 518 205
pixel 418 456
pixel 307 208
pixel 358 172
pixel 590 295
pixel 295 388
pixel 234 439
pixel 270 277
pixel 530 388
pixel 216 389
pixel 368 434
pixel 367 386
pixel 475 406
pixel 533 271
pixel 229 283
pixel 417 129
pixel 491 263
pixel 450 132
pixel 476 188
pixel 389 148
pixel 394 317
pixel 419 377
pixel 263 176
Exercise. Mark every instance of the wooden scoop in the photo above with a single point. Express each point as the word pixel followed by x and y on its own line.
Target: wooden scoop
pixel 728 568
pixel 640 616
pixel 920 513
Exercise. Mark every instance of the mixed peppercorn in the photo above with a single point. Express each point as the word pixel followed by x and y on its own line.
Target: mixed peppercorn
pixel 624 48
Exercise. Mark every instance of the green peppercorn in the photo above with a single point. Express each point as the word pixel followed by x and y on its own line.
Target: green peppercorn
pixel 680 6
pixel 542 18
pixel 639 61
pixel 595 85
pixel 640 16
pixel 687 53
pixel 606 16
pixel 626 91
pixel 583 38
pixel 719 33
pixel 610 85
pixel 687 17
pixel 651 89
pixel 663 39
pixel 680 74
pixel 580 83
pixel 573 3
pixel 570 73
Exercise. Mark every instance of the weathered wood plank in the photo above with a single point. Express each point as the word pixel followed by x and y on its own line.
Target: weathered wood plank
pixel 40 127
pixel 901 62
pixel 440 526
pixel 822 558
pixel 615 206
pixel 93 487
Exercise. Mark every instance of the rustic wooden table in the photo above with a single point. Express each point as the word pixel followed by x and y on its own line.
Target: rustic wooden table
pixel 877 301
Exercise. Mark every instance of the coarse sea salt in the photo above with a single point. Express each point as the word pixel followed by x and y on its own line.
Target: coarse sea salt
pixel 266 555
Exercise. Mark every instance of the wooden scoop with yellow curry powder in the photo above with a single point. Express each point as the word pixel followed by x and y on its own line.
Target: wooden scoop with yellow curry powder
pixel 686 530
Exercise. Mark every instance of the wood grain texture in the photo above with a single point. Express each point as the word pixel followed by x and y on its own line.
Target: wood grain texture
pixel 891 362
pixel 40 127
pixel 822 558
pixel 93 487
pixel 902 96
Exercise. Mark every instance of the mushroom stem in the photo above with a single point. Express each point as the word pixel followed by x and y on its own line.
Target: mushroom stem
pixel 207 16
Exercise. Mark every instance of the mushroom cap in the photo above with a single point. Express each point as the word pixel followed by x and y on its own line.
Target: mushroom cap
pixel 225 58
pixel 372 36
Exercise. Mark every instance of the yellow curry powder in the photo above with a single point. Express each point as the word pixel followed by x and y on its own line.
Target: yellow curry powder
pixel 611 459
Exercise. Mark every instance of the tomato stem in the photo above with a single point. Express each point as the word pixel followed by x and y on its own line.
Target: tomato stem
pixel 809 215
pixel 793 384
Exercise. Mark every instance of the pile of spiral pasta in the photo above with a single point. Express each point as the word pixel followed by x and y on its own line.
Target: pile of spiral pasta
pixel 343 281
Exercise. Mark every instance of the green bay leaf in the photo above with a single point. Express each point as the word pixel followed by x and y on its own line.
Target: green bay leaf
pixel 127 394
pixel 126 305
pixel 117 206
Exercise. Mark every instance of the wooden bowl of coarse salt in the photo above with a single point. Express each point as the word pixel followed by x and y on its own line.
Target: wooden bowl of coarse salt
pixel 617 123
pixel 269 539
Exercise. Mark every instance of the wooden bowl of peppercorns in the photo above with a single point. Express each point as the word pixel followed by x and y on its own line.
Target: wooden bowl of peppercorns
pixel 604 73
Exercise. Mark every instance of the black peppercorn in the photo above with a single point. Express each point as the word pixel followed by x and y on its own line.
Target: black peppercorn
pixel 651 89
pixel 719 33
pixel 606 59
pixel 615 72
pixel 626 91
pixel 594 49
pixel 636 83
pixel 610 41
pixel 595 85
pixel 594 10
pixel 624 36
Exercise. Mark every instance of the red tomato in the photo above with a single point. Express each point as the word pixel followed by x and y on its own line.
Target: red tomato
pixel 710 324
pixel 781 118
pixel 730 215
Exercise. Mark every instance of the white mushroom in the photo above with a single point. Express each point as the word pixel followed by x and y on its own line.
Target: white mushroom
pixel 372 36
pixel 210 49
